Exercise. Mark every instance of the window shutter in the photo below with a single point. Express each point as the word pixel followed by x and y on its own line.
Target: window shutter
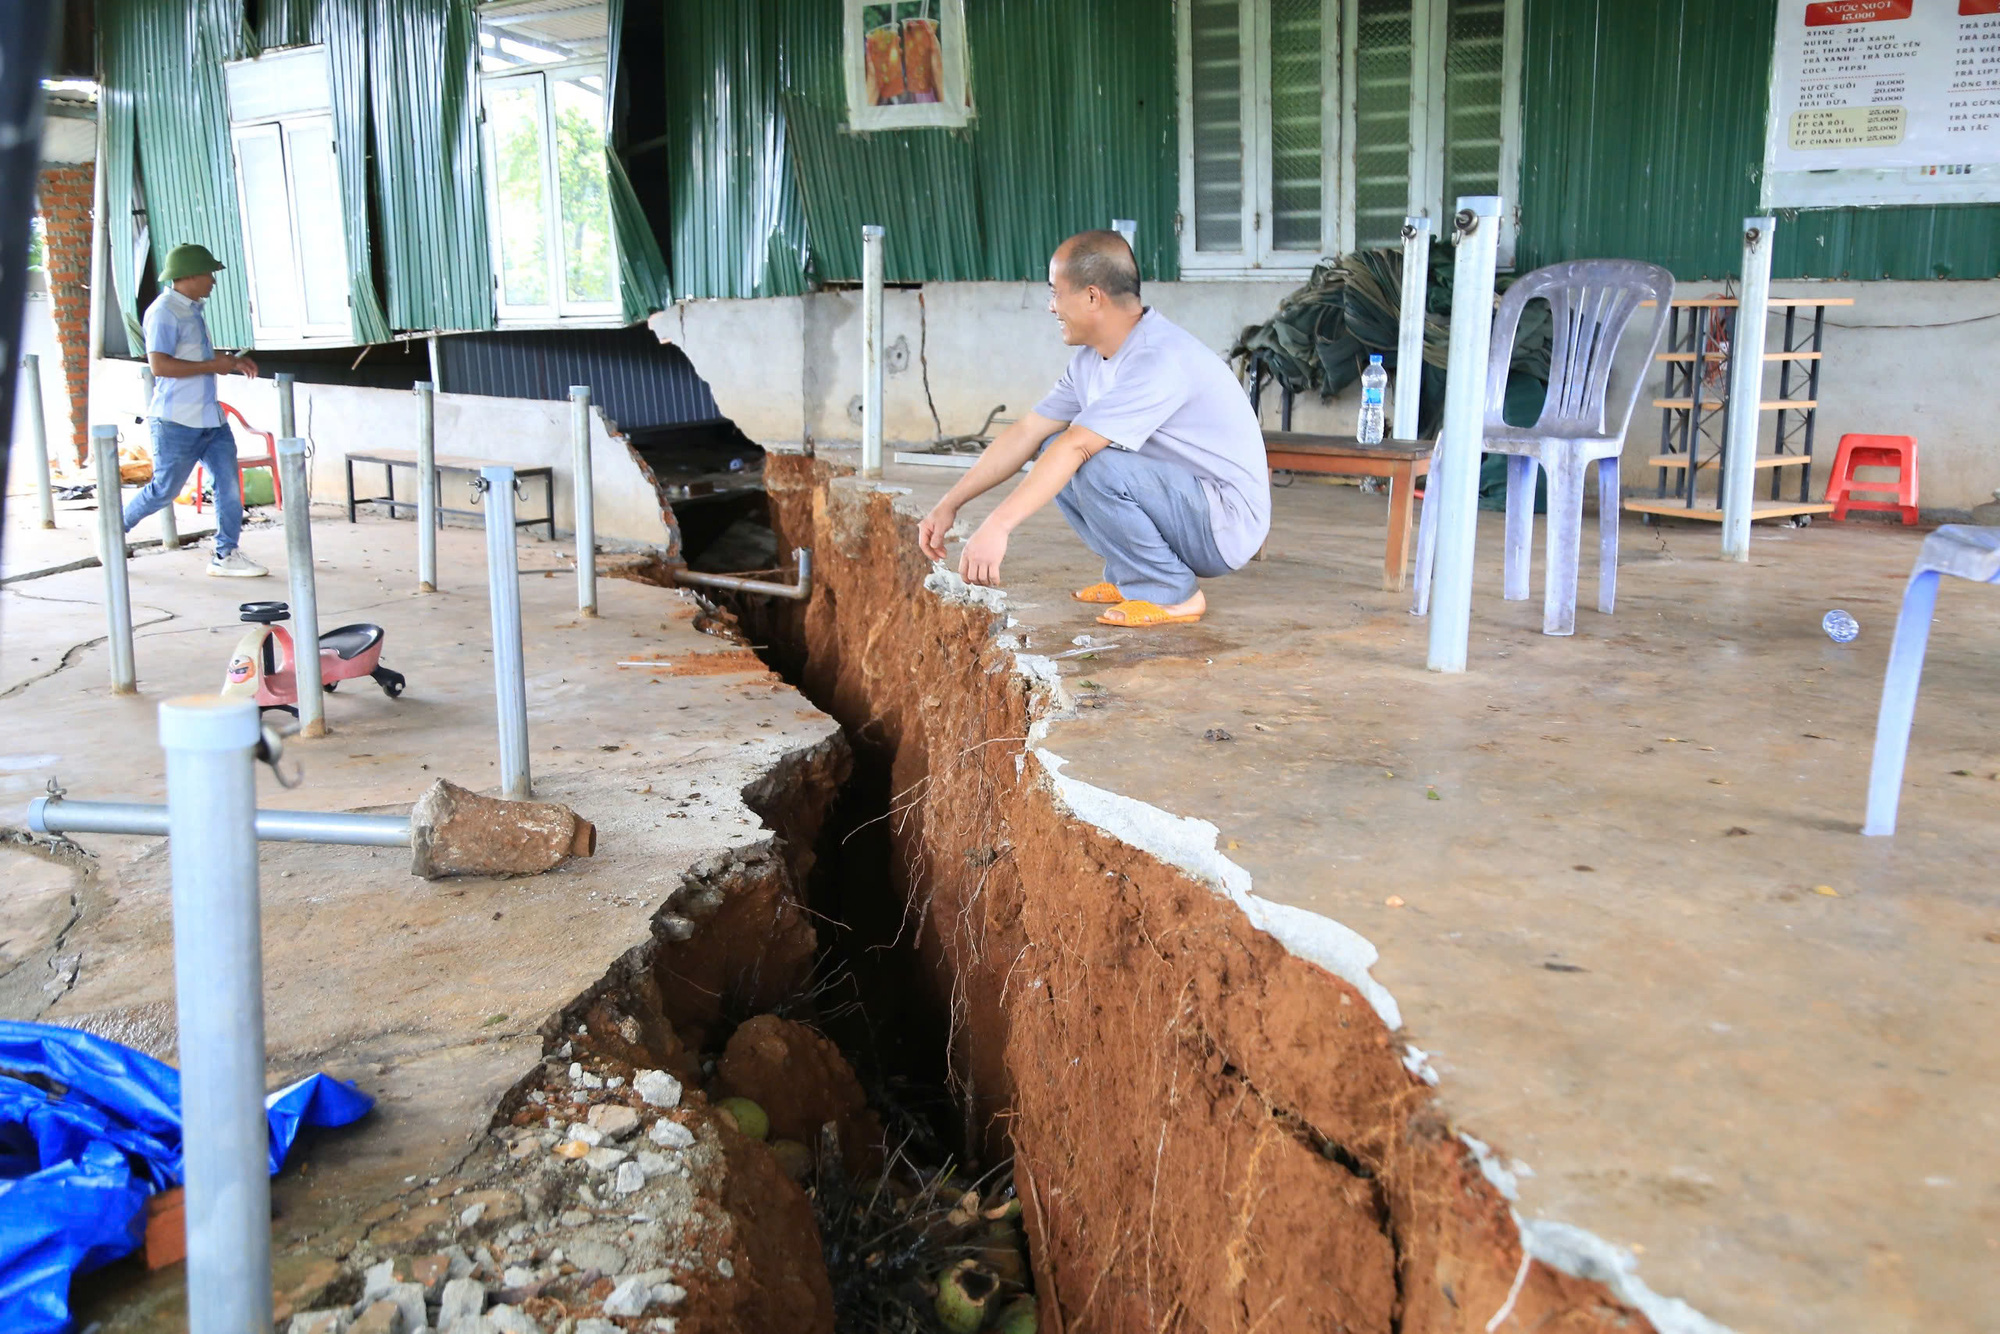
pixel 316 206
pixel 1216 46
pixel 267 228
pixel 1381 121
pixel 1297 120
pixel 1475 47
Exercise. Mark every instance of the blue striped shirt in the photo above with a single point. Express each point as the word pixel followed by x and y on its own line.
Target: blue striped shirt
pixel 174 325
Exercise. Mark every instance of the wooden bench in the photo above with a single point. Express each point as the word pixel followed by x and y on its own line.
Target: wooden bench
pixel 1401 461
pixel 392 459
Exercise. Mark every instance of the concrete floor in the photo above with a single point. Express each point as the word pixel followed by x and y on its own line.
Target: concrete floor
pixel 430 995
pixel 1593 868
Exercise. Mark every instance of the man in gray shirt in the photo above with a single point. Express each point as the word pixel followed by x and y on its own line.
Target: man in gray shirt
pixel 1147 444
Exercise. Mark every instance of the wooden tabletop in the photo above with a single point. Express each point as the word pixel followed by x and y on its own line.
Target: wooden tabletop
pixel 1299 442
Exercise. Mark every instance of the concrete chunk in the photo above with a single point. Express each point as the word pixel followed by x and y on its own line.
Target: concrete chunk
pixel 320 1322
pixel 463 1298
pixel 454 831
pixel 671 1135
pixel 382 1317
pixel 658 1088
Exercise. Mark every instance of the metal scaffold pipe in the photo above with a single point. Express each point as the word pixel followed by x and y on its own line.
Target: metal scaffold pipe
pixel 211 745
pixel 427 484
pixel 1746 391
pixel 1410 326
pixel 111 550
pixel 1454 486
pixel 31 374
pixel 287 414
pixel 305 588
pixel 503 587
pixel 583 484
pixel 170 531
pixel 60 815
pixel 871 351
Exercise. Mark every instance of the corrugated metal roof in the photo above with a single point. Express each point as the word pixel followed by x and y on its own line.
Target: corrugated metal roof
pixel 427 169
pixel 637 380
pixel 1643 137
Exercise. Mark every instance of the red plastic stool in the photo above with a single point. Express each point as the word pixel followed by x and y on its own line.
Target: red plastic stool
pixel 1874 451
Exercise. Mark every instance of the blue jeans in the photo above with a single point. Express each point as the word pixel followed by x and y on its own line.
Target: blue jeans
pixel 1148 519
pixel 176 451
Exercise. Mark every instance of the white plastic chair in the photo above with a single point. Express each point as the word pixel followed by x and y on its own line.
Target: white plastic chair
pixel 1591 301
pixel 1963 552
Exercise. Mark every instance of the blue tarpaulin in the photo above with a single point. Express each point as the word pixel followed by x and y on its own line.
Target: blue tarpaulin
pixel 88 1130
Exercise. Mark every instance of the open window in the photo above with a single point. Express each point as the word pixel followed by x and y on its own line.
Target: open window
pixel 905 64
pixel 288 197
pixel 1313 127
pixel 542 63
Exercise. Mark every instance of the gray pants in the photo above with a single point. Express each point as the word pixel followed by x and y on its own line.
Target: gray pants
pixel 1148 519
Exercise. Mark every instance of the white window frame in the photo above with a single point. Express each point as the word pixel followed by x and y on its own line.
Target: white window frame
pixel 559 309
pixel 1429 27
pixel 952 111
pixel 281 125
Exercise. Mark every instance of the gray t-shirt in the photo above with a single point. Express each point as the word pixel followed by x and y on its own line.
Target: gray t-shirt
pixel 1166 394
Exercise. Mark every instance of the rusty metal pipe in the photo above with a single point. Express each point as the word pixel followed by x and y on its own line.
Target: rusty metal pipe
pixel 796 592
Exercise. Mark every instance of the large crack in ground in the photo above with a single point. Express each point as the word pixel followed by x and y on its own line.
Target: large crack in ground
pixel 1209 1131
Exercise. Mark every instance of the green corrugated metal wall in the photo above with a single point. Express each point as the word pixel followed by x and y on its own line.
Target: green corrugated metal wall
pixel 1074 119
pixel 738 229
pixel 343 26
pixel 427 171
pixel 643 282
pixel 401 68
pixel 169 57
pixel 1643 136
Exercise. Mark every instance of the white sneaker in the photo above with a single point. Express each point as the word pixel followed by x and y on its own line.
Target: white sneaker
pixel 235 565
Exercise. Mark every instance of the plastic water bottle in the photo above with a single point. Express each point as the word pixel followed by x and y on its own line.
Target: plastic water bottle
pixel 1374 385
pixel 1840 627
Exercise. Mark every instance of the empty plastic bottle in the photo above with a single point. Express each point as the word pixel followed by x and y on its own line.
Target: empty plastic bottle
pixel 1374 387
pixel 1840 627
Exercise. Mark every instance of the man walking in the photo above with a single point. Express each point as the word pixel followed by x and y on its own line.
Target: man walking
pixel 186 422
pixel 1147 444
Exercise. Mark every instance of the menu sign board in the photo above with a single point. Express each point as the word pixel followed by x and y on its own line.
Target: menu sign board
pixel 1886 84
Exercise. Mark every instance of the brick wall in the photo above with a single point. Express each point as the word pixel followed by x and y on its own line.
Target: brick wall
pixel 65 205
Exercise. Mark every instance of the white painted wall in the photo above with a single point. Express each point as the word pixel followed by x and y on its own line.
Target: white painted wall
pixel 990 343
pixel 337 419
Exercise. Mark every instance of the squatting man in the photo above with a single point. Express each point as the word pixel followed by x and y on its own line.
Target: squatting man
pixel 1147 444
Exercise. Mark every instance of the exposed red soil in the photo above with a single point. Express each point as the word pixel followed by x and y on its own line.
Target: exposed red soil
pixel 1209 1133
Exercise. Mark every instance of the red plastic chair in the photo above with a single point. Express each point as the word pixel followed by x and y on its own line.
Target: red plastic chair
pixel 269 460
pixel 1875 451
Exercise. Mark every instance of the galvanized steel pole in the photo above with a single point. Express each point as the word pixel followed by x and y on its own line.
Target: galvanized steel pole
pixel 1456 492
pixel 1746 391
pixel 503 587
pixel 111 551
pixel 427 496
pixel 1410 326
pixel 305 593
pixel 871 351
pixel 584 485
pixel 287 418
pixel 60 815
pixel 211 746
pixel 31 371
pixel 170 532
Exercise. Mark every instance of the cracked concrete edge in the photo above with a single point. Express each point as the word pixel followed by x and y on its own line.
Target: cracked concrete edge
pixel 1190 844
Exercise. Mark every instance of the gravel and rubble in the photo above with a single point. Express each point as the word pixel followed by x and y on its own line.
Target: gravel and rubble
pixel 606 1197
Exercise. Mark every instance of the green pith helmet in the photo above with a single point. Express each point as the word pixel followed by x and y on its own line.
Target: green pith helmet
pixel 188 261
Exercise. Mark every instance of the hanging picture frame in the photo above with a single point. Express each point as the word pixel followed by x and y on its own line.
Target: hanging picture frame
pixel 906 64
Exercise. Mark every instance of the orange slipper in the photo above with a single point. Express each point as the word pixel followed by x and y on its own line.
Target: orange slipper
pixel 1139 615
pixel 1106 593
